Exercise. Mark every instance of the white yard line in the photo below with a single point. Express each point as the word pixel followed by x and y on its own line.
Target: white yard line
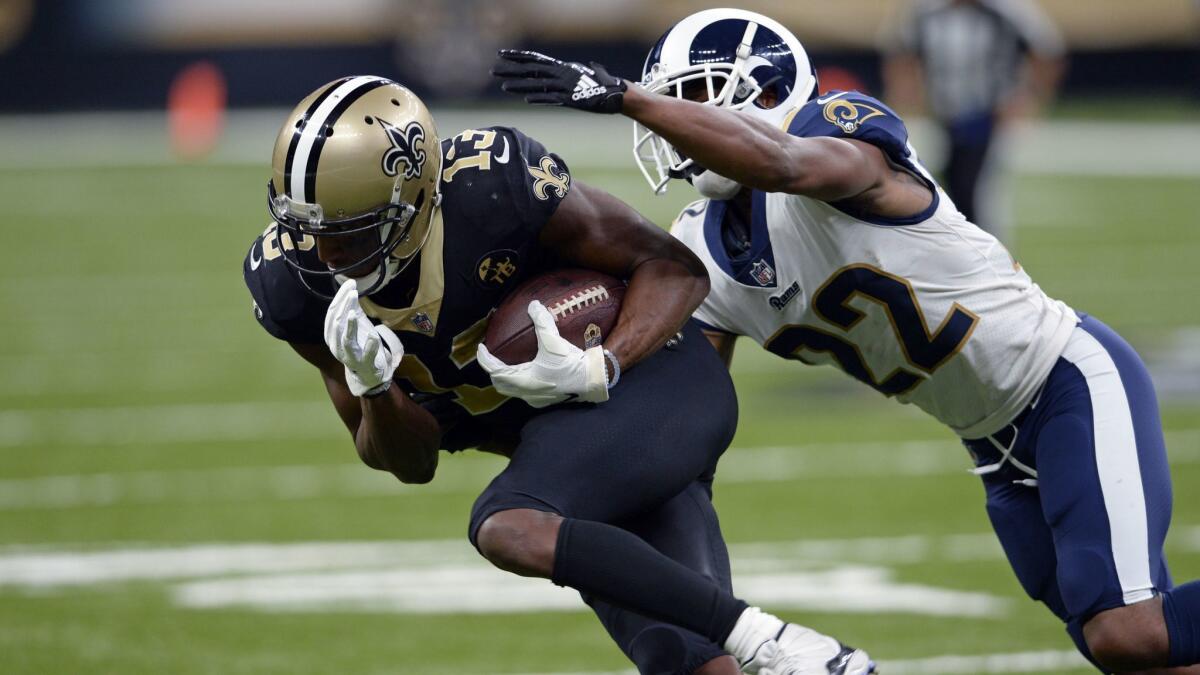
pixel 55 565
pixel 1019 662
pixel 447 577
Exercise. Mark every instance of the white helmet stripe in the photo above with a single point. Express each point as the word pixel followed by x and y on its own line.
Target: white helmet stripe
pixel 676 49
pixel 747 39
pixel 295 172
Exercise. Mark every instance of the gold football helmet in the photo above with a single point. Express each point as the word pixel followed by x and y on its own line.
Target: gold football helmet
pixel 358 159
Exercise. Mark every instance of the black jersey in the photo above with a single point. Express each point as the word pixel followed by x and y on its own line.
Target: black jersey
pixel 499 187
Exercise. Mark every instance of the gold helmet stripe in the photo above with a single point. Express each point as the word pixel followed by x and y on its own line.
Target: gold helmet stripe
pixel 311 132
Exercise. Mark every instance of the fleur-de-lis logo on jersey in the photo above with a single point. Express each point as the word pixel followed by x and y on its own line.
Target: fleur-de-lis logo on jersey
pixel 848 115
pixel 549 177
pixel 404 149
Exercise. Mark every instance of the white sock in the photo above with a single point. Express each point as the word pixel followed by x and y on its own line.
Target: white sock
pixel 753 628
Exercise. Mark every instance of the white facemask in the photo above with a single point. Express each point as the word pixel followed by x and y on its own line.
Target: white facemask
pixel 715 186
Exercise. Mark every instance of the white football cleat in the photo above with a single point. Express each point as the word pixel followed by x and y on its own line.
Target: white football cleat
pixel 800 651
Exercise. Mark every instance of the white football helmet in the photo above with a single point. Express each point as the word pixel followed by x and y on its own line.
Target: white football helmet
pixel 727 58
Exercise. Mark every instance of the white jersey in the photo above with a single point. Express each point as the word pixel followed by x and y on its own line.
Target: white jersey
pixel 930 310
pixel 934 313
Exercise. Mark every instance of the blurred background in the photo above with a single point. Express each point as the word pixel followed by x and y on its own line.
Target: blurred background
pixel 177 495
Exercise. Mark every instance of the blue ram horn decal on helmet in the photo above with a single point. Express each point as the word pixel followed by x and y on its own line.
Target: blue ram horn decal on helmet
pixel 404 149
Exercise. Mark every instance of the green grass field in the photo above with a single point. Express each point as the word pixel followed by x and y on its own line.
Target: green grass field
pixel 143 411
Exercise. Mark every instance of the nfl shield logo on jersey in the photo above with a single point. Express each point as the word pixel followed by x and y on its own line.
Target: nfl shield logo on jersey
pixel 763 273
pixel 423 323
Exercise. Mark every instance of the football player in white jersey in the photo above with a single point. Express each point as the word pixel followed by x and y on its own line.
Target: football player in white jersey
pixel 826 241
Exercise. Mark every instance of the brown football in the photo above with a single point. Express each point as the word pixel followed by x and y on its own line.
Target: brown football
pixel 584 303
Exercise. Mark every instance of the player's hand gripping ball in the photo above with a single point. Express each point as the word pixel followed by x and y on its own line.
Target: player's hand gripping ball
pixel 544 342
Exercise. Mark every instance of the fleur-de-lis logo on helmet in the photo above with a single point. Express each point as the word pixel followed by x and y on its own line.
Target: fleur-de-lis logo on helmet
pixel 404 149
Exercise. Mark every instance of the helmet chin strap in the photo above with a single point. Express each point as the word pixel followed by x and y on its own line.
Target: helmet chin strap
pixel 713 185
pixel 391 267
pixel 370 283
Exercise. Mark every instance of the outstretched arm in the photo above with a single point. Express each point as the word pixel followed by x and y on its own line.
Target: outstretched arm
pixel 754 153
pixel 734 145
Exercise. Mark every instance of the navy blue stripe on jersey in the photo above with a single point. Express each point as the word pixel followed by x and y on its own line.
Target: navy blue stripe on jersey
pixel 314 155
pixel 753 267
pixel 918 217
pixel 298 129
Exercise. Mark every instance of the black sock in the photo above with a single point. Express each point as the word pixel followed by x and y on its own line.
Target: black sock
pixel 621 568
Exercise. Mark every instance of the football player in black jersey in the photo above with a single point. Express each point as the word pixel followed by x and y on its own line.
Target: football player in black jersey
pixel 386 253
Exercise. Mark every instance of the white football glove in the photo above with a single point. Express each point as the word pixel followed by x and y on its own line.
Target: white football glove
pixel 370 353
pixel 560 371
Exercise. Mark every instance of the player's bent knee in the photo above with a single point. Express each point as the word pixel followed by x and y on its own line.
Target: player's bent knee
pixel 520 541
pixel 1129 638
pixel 659 649
pixel 664 650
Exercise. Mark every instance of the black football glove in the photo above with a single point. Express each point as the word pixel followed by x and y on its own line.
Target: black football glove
pixel 548 81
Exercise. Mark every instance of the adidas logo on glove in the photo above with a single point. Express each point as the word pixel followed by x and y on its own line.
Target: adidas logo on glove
pixel 586 87
pixel 544 80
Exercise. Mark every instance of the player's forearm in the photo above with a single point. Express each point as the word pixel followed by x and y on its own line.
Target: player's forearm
pixel 738 147
pixel 398 436
pixel 662 294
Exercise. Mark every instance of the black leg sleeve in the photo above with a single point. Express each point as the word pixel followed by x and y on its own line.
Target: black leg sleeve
pixel 619 567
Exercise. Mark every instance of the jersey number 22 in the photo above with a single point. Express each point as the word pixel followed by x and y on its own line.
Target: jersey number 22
pixel 924 350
